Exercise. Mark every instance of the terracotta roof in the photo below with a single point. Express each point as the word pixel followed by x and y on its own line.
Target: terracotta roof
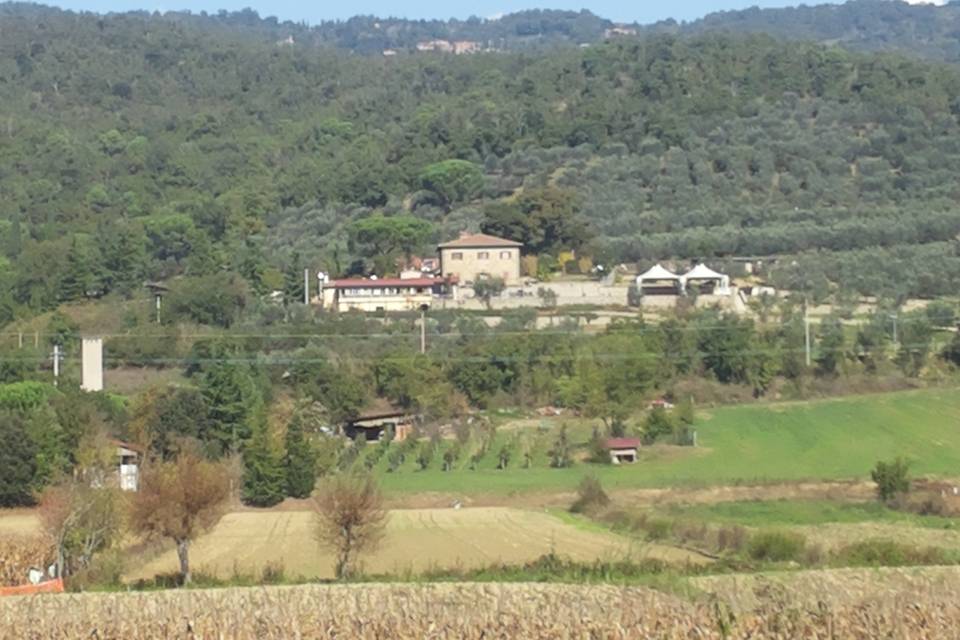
pixel 366 283
pixel 126 445
pixel 623 443
pixel 480 240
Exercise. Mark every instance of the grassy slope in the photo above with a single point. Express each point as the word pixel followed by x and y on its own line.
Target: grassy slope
pixel 820 440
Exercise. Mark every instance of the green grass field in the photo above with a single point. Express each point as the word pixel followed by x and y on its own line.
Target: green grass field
pixel 831 439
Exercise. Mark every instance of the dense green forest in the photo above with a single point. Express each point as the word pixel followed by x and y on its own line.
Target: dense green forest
pixel 925 30
pixel 140 147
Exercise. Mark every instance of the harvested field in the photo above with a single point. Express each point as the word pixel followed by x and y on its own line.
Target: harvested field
pixel 21 522
pixel 468 611
pixel 417 540
pixel 835 535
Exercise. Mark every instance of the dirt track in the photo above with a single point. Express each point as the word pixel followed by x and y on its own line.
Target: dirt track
pixel 848 491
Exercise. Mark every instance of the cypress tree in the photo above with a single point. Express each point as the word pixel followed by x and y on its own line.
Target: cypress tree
pixel 293 281
pixel 14 237
pixel 263 477
pixel 301 461
pixel 18 462
pixel 78 273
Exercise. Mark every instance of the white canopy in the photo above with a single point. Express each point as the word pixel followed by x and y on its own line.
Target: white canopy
pixel 657 273
pixel 703 272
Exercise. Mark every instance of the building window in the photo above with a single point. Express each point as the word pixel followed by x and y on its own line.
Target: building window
pixel 505 255
pixel 456 255
pixel 483 255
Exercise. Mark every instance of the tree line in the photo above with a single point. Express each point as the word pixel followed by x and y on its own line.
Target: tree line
pixel 272 403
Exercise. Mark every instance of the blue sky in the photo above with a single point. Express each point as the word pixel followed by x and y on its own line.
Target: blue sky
pixel 312 12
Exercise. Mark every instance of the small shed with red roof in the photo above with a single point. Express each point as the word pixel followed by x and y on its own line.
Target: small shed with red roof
pixel 623 449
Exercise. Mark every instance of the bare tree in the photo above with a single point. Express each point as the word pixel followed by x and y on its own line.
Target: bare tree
pixel 80 520
pixel 350 518
pixel 180 500
pixel 84 514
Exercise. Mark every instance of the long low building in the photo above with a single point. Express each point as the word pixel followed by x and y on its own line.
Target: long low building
pixel 386 294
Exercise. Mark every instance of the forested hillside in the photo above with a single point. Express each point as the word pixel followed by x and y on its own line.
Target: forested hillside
pixel 925 30
pixel 138 147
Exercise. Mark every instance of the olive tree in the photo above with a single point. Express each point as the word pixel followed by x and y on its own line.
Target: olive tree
pixel 350 519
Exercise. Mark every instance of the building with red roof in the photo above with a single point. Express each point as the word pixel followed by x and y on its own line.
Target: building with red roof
pixel 386 294
pixel 623 449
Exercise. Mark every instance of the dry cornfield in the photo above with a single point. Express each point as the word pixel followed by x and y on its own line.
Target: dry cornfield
pixel 471 611
pixel 18 554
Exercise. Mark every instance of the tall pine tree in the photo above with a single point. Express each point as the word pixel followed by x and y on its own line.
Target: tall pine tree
pixel 234 401
pixel 14 244
pixel 84 273
pixel 264 482
pixel 123 246
pixel 293 280
pixel 301 461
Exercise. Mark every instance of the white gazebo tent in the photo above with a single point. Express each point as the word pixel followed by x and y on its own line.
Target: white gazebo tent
pixel 655 280
pixel 704 274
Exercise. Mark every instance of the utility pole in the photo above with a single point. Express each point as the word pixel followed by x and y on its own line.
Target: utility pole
pixel 893 316
pixel 159 299
pixel 56 364
pixel 306 286
pixel 806 331
pixel 423 328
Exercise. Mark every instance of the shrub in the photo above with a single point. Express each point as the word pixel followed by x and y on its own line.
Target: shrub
pixel 590 495
pixel 887 553
pixel 891 478
pixel 776 546
pixel 732 538
pixel 657 528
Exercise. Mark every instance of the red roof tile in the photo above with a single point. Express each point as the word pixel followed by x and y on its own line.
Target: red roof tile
pixel 480 240
pixel 623 443
pixel 366 283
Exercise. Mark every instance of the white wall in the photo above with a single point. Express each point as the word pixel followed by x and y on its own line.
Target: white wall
pixel 92 364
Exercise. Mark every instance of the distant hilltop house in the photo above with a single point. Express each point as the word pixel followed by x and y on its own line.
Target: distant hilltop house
pixel 619 31
pixel 461 47
pixel 410 292
pixel 458 47
pixel 478 256
pixel 435 45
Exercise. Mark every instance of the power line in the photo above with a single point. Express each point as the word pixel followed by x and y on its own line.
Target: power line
pixel 489 358
pixel 493 331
